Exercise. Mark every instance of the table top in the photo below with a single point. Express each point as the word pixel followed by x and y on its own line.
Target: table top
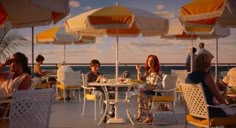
pixel 114 84
pixel 5 98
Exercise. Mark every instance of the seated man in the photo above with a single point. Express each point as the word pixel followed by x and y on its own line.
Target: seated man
pixel 60 75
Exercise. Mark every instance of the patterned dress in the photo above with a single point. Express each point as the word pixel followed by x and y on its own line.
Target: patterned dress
pixel 144 99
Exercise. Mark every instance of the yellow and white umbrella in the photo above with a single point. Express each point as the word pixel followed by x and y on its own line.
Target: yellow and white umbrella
pixel 57 35
pixel 32 13
pixel 209 12
pixel 118 21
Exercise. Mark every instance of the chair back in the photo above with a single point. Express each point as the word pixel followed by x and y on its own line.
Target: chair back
pixel 195 100
pixel 31 108
pixel 84 80
pixel 181 75
pixel 169 83
pixel 72 78
pixel 87 90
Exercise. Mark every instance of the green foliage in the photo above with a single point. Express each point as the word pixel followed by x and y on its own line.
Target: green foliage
pixel 9 41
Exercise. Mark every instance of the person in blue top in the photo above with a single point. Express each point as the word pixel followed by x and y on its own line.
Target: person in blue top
pixel 201 74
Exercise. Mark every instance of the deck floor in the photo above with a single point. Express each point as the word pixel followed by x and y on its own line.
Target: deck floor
pixel 68 115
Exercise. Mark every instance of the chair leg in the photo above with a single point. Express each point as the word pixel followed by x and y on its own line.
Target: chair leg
pixel 83 107
pixel 64 91
pixel 56 91
pixel 95 109
pixel 127 110
pixel 6 112
pixel 79 95
pixel 173 106
pixel 153 112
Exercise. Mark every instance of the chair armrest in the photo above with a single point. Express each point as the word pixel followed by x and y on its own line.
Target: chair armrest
pixel 228 109
pixel 222 106
pixel 166 90
pixel 88 88
pixel 111 91
pixel 6 96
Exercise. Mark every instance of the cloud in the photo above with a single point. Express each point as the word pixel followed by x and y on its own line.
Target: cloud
pixel 161 11
pixel 74 4
pixel 160 7
pixel 87 8
pixel 165 14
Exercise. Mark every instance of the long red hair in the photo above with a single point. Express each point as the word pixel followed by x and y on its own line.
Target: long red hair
pixel 156 63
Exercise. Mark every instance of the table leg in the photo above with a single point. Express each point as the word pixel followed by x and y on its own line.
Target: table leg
pixel 116 119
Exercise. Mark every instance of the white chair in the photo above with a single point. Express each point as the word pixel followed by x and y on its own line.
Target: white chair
pixel 181 77
pixel 31 108
pixel 88 96
pixel 197 108
pixel 71 81
pixel 168 94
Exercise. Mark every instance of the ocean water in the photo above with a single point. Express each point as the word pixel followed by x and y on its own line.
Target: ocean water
pixel 109 71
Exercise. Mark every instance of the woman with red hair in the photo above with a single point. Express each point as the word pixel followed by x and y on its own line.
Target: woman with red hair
pixel 150 78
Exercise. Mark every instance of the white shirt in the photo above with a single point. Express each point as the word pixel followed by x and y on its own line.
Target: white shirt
pixel 60 72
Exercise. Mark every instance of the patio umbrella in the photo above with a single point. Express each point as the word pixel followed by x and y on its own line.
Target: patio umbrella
pixel 57 35
pixel 210 12
pixel 31 13
pixel 177 31
pixel 118 21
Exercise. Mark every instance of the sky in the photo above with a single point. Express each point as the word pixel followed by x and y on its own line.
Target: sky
pixel 131 49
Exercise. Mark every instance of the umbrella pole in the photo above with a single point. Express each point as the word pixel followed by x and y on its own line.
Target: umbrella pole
pixel 117 60
pixel 216 63
pixel 32 65
pixel 64 61
pixel 192 55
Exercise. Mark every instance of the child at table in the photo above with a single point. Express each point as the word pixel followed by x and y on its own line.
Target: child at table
pixel 95 76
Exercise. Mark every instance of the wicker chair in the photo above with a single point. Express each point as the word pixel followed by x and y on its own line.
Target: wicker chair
pixel 168 95
pixel 71 81
pixel 197 109
pixel 31 108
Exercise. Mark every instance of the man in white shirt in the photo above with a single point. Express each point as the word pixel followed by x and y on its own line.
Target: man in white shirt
pixel 60 71
pixel 203 50
pixel 60 75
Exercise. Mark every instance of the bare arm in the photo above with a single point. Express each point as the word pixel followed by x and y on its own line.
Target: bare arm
pixel 213 88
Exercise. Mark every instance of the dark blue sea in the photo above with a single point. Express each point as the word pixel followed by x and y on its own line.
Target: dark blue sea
pixel 109 71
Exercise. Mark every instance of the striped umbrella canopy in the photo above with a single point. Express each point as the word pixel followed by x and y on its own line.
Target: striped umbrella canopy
pixel 57 36
pixel 118 21
pixel 179 32
pixel 209 12
pixel 31 13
